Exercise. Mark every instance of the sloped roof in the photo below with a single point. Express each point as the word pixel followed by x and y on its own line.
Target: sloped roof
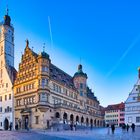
pixel 115 106
pixel 60 76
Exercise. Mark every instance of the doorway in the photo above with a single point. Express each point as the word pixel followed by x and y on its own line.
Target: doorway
pixel 6 124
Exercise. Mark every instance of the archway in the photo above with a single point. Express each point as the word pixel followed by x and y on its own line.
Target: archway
pixel 87 121
pixel 65 117
pixel 57 115
pixel 95 122
pixel 91 123
pixel 71 118
pixel 82 119
pixel 6 124
pixel 77 118
pixel 98 123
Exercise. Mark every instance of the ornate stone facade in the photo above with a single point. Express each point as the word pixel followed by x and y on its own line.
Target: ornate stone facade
pixel 45 95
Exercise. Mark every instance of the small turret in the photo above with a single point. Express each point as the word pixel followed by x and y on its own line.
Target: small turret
pixel 80 72
pixel 80 80
pixel 7 19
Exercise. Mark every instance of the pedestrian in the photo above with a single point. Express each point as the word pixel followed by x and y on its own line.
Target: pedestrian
pixel 74 127
pixel 133 127
pixel 10 126
pixel 16 126
pixel 71 126
pixel 91 126
pixel 123 127
pixel 108 129
pixel 127 127
pixel 113 128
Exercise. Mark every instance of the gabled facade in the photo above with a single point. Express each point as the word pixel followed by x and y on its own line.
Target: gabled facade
pixel 132 105
pixel 45 95
pixel 7 72
pixel 114 114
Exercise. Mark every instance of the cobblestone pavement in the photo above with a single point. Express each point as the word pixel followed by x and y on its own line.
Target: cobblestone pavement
pixel 24 135
pixel 95 134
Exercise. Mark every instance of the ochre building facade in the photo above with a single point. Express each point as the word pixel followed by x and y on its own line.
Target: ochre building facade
pixel 45 95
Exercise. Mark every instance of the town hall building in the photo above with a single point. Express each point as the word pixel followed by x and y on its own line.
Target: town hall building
pixel 45 95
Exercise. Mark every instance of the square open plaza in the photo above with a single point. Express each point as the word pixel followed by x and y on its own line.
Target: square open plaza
pixel 41 101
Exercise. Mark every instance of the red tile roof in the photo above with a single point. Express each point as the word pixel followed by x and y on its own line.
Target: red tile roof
pixel 115 106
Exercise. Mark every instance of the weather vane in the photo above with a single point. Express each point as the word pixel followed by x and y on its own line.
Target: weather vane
pixel 43 47
pixel 7 10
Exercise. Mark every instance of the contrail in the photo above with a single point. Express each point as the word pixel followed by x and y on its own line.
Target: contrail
pixel 123 56
pixel 50 31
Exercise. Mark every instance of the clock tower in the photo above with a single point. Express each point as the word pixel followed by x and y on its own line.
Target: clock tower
pixel 7 72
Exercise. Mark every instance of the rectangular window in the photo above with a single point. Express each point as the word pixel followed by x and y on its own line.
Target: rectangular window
pixel 18 102
pixel 137 119
pixel 45 69
pixel 10 109
pixel 36 119
pixel 0 98
pixel 130 119
pixel 81 85
pixel 44 82
pixel 81 93
pixel 25 101
pixel 6 85
pixel 0 109
pixel 33 86
pixel 9 96
pixel 5 97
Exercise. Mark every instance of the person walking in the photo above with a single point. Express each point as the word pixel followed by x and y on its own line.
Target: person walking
pixel 108 132
pixel 133 127
pixel 123 127
pixel 10 126
pixel 127 127
pixel 113 128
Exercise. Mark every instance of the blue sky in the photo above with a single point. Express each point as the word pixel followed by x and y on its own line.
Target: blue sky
pixel 105 34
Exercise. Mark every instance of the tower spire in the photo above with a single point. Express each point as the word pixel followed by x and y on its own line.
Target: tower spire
pixel 43 47
pixel 27 43
pixel 7 10
pixel 7 19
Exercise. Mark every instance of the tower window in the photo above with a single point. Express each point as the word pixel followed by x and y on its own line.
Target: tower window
pixel 81 85
pixel 9 96
pixel 81 93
